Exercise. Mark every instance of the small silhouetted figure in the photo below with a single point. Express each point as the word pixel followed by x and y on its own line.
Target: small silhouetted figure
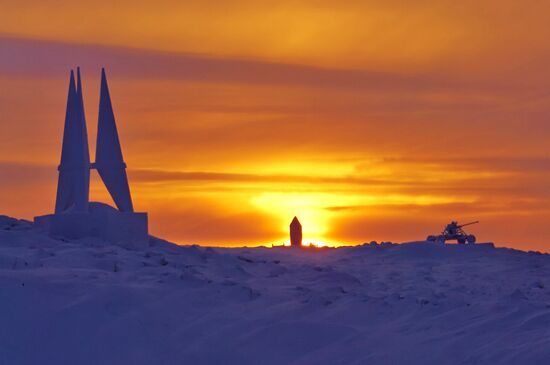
pixel 452 227
pixel 295 233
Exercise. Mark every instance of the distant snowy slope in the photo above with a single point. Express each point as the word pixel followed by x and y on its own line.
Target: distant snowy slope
pixel 89 302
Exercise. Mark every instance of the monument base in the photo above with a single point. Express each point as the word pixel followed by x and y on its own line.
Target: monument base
pixel 102 221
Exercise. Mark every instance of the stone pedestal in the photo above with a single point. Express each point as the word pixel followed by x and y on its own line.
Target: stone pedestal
pixel 102 221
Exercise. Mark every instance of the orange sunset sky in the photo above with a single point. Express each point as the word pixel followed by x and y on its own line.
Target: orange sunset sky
pixel 369 120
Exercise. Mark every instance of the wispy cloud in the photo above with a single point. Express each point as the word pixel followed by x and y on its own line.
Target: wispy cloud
pixel 48 58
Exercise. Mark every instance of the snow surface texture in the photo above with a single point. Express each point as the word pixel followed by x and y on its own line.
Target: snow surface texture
pixel 89 302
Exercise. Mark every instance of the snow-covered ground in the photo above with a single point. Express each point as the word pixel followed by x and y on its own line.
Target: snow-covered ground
pixel 89 302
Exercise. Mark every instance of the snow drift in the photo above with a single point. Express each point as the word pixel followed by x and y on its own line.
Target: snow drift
pixel 90 302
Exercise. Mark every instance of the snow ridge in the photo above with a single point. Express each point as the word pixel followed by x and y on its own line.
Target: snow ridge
pixel 90 302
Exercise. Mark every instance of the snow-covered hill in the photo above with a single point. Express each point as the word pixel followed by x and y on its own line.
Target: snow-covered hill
pixel 89 302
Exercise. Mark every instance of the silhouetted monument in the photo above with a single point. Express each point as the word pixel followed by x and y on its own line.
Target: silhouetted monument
pixel 295 233
pixel 75 216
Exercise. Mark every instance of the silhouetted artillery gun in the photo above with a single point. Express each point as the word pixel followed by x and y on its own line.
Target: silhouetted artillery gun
pixel 454 231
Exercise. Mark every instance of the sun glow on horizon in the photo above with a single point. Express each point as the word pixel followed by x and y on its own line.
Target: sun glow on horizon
pixel 309 208
pixel 318 211
pixel 306 242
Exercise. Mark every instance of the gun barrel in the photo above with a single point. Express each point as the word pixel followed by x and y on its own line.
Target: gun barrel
pixel 467 224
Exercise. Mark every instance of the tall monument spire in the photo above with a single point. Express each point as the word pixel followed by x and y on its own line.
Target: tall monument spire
pixel 65 187
pixel 73 181
pixel 108 160
pixel 84 197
